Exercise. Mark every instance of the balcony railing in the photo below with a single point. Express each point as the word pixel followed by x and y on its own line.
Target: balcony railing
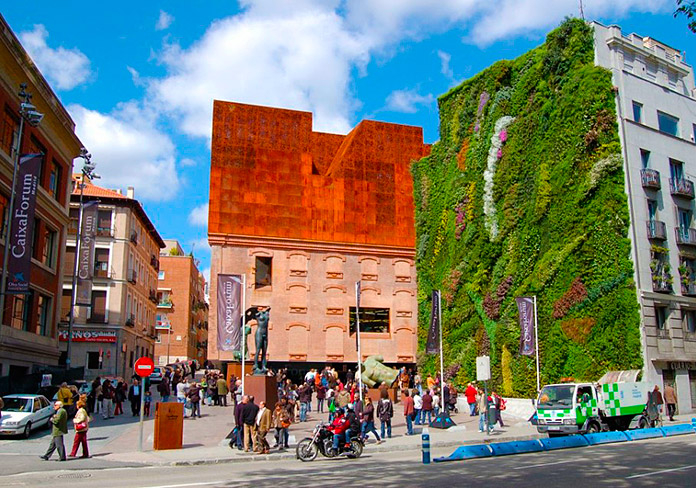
pixel 686 237
pixel 650 178
pixel 105 232
pixel 154 262
pixel 130 321
pixel 681 187
pixel 101 271
pixel 657 230
pixel 689 290
pixel 134 237
pixel 661 285
pixel 132 276
pixel 165 303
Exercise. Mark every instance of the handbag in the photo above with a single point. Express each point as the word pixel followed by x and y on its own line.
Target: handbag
pixel 81 426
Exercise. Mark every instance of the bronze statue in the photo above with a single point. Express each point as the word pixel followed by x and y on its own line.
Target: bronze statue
pixel 262 316
pixel 374 372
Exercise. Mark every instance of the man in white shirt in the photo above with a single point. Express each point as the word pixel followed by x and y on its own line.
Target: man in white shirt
pixel 417 405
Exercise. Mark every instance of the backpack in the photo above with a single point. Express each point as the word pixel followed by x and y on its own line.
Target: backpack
pixel 332 406
pixel 503 404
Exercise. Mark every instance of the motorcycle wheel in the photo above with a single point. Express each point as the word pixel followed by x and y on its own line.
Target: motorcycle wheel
pixel 306 450
pixel 357 448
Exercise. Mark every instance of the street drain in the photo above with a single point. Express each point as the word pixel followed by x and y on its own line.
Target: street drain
pixel 74 476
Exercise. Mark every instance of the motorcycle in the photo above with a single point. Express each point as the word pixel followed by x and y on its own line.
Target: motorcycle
pixel 322 442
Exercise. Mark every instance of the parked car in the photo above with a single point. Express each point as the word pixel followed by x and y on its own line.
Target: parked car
pixel 24 413
pixel 157 375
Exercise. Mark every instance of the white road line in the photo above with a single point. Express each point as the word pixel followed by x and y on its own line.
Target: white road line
pixel 662 471
pixel 548 464
pixel 190 484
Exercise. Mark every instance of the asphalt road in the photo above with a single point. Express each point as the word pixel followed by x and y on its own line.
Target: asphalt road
pixel 666 463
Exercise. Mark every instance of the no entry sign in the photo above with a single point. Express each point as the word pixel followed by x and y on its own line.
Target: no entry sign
pixel 144 367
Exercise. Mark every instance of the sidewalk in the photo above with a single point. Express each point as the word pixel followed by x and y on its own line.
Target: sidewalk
pixel 205 442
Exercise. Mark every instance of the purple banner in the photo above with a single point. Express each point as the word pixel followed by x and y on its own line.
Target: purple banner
pixel 525 306
pixel 86 258
pixel 22 223
pixel 432 346
pixel 229 312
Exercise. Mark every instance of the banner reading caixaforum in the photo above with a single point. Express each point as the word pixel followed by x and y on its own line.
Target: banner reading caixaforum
pixel 85 267
pixel 229 312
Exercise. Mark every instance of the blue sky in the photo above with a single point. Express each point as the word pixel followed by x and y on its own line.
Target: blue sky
pixel 139 77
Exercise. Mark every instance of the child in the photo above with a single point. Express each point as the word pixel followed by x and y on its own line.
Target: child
pixel 148 400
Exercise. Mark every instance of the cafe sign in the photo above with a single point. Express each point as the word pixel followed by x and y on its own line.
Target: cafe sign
pixel 89 335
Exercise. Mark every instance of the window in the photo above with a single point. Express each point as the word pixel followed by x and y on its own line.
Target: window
pixel 4 208
pixel 104 223
pixel 131 359
pixel 43 315
pixel 93 360
pixel 98 308
pixel 645 158
pixel 374 320
pixel 36 240
pixel 35 147
pixel 668 124
pixel 55 180
pixel 101 263
pixel 20 311
pixel 49 247
pixel 652 209
pixel 690 320
pixel 661 316
pixel 684 221
pixel 651 70
pixel 160 275
pixel 638 112
pixel 629 59
pixel 262 275
pixel 9 126
pixel 676 170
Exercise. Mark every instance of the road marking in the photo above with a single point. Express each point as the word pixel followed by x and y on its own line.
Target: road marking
pixel 662 471
pixel 190 484
pixel 546 464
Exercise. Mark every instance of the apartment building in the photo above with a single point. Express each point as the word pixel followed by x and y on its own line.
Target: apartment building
pixel 28 329
pixel 182 311
pixel 656 104
pixel 119 326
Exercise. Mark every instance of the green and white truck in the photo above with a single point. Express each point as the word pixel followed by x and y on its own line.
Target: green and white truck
pixel 578 408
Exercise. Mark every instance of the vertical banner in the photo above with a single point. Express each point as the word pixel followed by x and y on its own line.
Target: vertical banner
pixel 229 312
pixel 22 223
pixel 85 256
pixel 432 346
pixel 357 316
pixel 525 306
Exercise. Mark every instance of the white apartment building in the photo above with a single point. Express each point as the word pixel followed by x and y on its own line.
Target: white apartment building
pixel 656 108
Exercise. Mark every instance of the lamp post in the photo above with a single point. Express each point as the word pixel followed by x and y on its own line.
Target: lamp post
pixel 33 117
pixel 87 173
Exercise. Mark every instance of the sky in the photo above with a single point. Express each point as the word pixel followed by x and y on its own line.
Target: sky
pixel 139 78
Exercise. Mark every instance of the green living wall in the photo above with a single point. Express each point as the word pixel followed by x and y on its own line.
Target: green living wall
pixel 524 195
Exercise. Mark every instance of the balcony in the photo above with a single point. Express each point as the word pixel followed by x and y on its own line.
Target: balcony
pixel 130 321
pixel 688 290
pixel 650 178
pixel 657 230
pixel 153 295
pixel 134 237
pixel 105 232
pixel 681 188
pixel 154 262
pixel 661 285
pixel 132 276
pixel 97 317
pixel 686 237
pixel 165 303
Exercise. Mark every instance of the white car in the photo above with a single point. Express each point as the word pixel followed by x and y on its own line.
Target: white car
pixel 23 413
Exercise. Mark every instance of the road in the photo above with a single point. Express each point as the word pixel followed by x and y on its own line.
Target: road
pixel 667 462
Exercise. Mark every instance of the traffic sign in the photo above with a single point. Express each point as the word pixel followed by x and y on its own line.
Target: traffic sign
pixel 144 367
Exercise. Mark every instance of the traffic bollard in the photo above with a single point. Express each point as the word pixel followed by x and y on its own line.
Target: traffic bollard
pixel 425 437
pixel 693 423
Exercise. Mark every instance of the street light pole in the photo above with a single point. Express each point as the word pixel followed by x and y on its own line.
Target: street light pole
pixel 87 172
pixel 27 112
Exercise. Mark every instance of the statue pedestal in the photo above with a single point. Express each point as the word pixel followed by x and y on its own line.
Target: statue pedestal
pixel 374 395
pixel 235 368
pixel 263 388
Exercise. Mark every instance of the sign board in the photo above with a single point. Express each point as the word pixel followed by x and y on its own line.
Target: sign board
pixel 88 335
pixel 144 367
pixel 46 379
pixel 483 368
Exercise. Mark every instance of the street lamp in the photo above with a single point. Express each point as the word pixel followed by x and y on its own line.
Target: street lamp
pixel 33 117
pixel 87 173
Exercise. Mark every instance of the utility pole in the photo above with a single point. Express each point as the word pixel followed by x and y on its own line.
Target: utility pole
pixel 582 10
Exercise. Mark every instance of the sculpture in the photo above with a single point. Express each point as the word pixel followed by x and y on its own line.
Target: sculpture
pixel 374 372
pixel 262 316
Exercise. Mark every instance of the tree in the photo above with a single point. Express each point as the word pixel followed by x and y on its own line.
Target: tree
pixel 687 8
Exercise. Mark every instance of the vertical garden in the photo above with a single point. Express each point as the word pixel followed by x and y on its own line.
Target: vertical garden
pixel 524 195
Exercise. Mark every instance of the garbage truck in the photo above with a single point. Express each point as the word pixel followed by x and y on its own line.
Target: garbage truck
pixel 579 408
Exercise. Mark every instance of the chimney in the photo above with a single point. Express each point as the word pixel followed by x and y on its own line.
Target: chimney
pixel 131 192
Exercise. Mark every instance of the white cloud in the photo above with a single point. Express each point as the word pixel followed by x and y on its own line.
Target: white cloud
pixel 187 163
pixel 199 216
pixel 407 101
pixel 200 246
pixel 164 21
pixel 128 150
pixel 445 68
pixel 64 68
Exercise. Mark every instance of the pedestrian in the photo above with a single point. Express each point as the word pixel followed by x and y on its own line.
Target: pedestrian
pixel 368 420
pixel 342 398
pixel 657 398
pixel 436 401
pixel 281 423
pixel 409 412
pixel 164 390
pixel 427 409
pixel 81 424
pixel 417 405
pixel 482 400
pixel 119 397
pixel 148 402
pixel 430 382
pixel 385 412
pixel 194 396
pixel 249 413
pixel 134 393
pixel 108 393
pixel 321 396
pixel 181 389
pixel 671 401
pixel 239 423
pixel 304 396
pixel 383 390
pixel 65 396
pixel 60 427
pixel 470 394
pixel 417 384
pixel 222 391
pixel 263 425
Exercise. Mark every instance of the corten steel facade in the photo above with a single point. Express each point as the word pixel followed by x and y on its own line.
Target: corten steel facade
pixel 119 327
pixel 321 211
pixel 182 312
pixel 29 332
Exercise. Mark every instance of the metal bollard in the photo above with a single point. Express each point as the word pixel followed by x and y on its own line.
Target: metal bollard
pixel 425 437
